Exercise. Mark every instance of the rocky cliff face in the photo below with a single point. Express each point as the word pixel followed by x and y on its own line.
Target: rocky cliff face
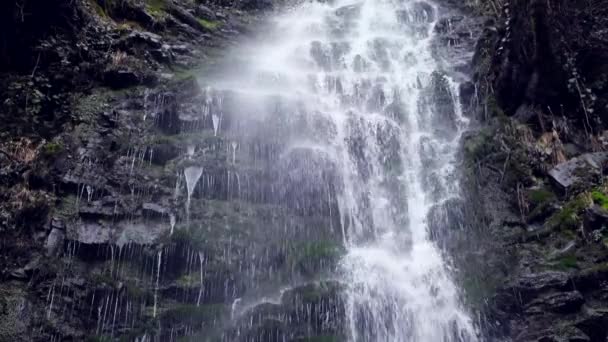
pixel 105 186
pixel 98 159
pixel 535 170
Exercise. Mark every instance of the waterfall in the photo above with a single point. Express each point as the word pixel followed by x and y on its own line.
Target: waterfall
pixel 367 110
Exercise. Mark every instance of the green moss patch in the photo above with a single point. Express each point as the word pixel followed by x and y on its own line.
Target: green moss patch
pixel 540 201
pixel 52 149
pixel 209 24
pixel 156 7
pixel 189 280
pixel 66 208
pixel 478 146
pixel 539 196
pixel 493 108
pixel 156 4
pixel 566 262
pixel 569 216
pixel 98 9
pixel 600 199
pixel 321 250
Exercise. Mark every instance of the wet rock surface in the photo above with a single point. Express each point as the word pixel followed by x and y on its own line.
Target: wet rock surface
pixel 536 177
pixel 97 242
pixel 99 104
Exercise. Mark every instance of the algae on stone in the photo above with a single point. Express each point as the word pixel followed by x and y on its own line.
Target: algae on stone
pixel 569 216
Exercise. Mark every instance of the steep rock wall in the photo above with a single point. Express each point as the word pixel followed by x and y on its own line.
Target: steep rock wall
pixel 538 230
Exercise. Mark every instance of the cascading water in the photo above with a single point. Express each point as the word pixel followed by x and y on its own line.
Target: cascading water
pixel 359 89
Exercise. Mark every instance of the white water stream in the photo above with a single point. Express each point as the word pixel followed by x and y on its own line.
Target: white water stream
pixel 364 70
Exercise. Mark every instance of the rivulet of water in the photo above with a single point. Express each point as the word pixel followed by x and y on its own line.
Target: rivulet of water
pixel 369 99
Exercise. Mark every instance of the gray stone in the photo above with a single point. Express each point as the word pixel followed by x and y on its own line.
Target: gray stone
pixel 576 170
pixel 180 49
pixel 54 242
pixel 205 12
pixel 186 17
pixel 99 209
pixel 26 271
pixel 153 209
pixel 149 38
pixel 560 302
pixel 57 223
pixel 531 285
pixel 596 218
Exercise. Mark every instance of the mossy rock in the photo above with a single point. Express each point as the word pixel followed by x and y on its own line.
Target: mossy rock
pixel 569 216
pixel 477 146
pixel 157 8
pixel 566 262
pixel 322 250
pixel 493 108
pixel 316 256
pixel 209 24
pixel 541 203
pixel 66 208
pixel 52 149
pixel 314 293
pixel 600 198
pixel 539 196
pixel 135 290
pixel 477 290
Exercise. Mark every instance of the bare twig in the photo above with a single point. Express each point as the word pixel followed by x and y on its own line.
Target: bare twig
pixel 521 202
pixel 504 167
pixel 36 66
pixel 21 12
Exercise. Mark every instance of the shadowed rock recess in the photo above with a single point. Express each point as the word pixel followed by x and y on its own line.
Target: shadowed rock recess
pixel 282 170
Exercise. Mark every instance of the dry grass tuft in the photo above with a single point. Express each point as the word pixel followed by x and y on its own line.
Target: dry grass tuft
pixel 22 150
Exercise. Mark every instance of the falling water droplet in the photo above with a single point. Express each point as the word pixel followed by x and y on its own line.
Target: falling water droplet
pixel 234 145
pixel 190 152
pixel 192 175
pixel 158 266
pixel 172 222
pixel 216 123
